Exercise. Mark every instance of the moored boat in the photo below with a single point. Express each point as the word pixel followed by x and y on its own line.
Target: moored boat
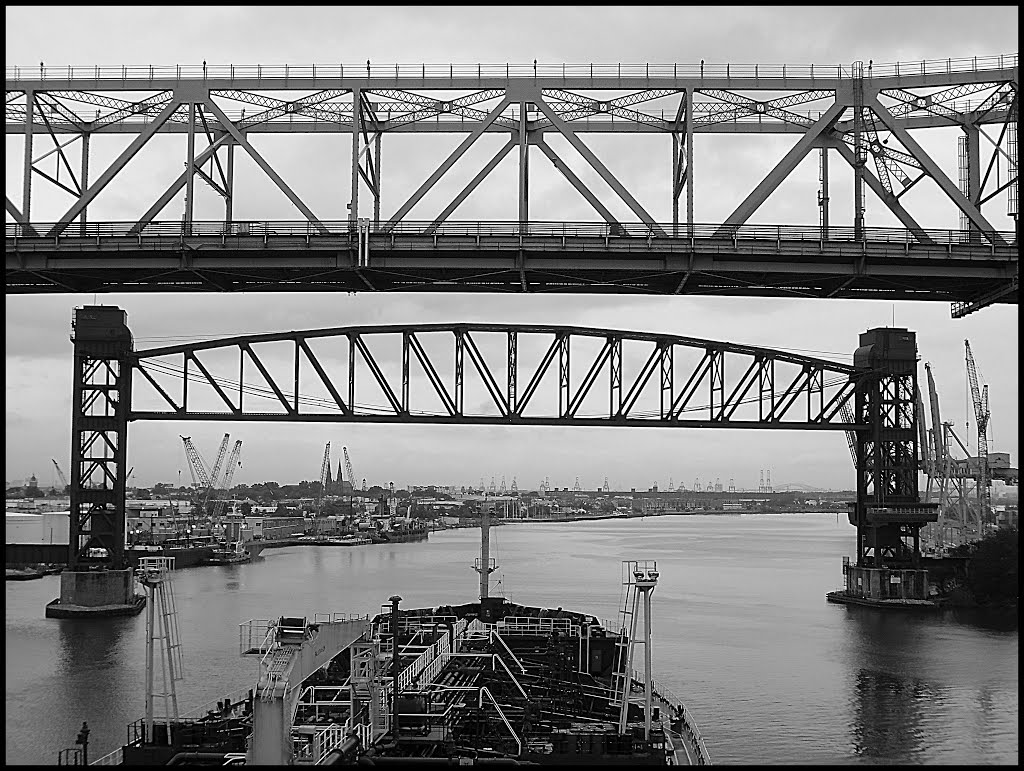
pixel 228 554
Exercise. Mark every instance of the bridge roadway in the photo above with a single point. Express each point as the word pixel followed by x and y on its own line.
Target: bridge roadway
pixel 543 257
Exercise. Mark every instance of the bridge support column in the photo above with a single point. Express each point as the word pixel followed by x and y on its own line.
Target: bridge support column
pixel 98 580
pixel 888 512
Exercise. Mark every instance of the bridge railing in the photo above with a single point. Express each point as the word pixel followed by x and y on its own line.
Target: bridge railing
pixel 494 229
pixel 451 71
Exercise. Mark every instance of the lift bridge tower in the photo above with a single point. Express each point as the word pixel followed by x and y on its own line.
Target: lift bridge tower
pixel 98 580
pixel 888 512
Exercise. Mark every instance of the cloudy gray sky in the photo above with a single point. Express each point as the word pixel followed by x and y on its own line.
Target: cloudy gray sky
pixel 38 352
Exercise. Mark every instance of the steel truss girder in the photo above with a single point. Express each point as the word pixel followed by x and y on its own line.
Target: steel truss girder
pixel 735 108
pixel 936 173
pixel 707 398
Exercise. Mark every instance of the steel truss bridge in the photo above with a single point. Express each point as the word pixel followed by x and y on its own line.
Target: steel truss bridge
pixel 450 373
pixel 868 118
pixel 494 375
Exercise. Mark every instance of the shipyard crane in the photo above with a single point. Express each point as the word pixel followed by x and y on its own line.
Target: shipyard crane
pixel 926 457
pixel 196 465
pixel 60 475
pixel 939 449
pixel 325 471
pixel 348 469
pixel 221 454
pixel 847 414
pixel 229 474
pixel 981 417
pixel 215 474
pixel 200 478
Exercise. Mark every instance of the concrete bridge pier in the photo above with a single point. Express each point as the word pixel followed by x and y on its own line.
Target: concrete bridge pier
pixel 92 593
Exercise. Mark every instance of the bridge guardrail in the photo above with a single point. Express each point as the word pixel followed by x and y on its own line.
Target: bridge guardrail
pixel 424 71
pixel 493 229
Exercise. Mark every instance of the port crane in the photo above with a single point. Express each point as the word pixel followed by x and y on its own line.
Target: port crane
pixel 217 466
pixel 351 482
pixel 981 416
pixel 229 474
pixel 348 469
pixel 325 472
pixel 60 475
pixel 200 478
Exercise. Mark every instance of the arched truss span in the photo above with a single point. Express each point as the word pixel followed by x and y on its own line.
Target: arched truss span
pixel 491 374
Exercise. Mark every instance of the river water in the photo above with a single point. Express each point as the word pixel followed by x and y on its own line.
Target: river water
pixel 772 673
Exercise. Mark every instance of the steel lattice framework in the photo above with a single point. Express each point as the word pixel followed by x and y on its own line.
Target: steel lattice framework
pixel 868 117
pixel 562 376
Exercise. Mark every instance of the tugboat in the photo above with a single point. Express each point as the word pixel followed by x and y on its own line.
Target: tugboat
pixel 229 554
pixel 489 682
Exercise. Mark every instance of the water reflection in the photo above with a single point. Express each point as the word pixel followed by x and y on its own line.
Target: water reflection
pixel 891 705
pixel 888 716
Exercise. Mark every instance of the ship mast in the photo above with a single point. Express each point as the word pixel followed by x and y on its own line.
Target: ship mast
pixel 484 564
pixel 640 578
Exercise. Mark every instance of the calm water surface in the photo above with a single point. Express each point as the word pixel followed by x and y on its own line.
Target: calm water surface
pixel 742 633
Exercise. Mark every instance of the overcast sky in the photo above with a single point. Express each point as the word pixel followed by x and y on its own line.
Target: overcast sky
pixel 38 353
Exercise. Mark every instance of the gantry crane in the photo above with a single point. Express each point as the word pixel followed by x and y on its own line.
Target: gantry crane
pixel 60 475
pixel 325 471
pixel 981 417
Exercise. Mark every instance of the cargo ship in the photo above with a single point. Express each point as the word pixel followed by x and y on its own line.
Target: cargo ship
pixel 186 552
pixel 483 683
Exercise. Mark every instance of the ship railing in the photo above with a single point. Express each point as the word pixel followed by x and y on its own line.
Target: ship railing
pixel 324 741
pixel 414 623
pixel 434 667
pixel 338 618
pixel 495 660
pixel 690 729
pixel 115 758
pixel 481 692
pixel 255 636
pixel 496 637
pixel 317 696
pixel 411 672
pixel 535 625
pixel 363 730
pixel 236 698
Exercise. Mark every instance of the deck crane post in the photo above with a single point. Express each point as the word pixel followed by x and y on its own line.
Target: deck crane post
pixel 229 474
pixel 325 470
pixel 60 475
pixel 981 417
